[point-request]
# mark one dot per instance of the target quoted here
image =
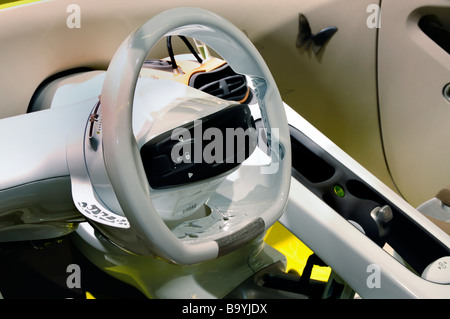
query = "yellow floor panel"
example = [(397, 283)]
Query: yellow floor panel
[(9, 4), (296, 252)]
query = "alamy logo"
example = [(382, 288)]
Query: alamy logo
[(74, 279), (374, 279), (374, 18), (213, 145), (73, 21)]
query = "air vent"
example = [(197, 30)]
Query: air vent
[(223, 83)]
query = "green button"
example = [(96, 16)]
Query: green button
[(339, 191)]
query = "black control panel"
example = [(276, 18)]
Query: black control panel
[(200, 149)]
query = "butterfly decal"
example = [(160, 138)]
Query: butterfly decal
[(318, 40)]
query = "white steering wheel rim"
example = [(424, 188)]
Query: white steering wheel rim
[(123, 163)]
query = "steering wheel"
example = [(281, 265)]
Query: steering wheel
[(135, 225)]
